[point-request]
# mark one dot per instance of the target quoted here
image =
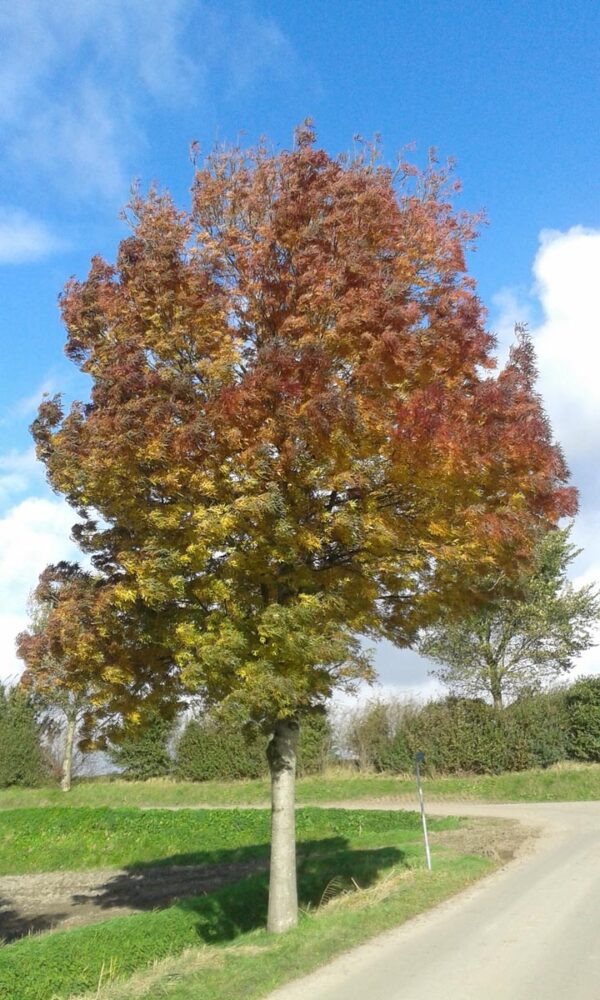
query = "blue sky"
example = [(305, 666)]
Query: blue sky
[(94, 93)]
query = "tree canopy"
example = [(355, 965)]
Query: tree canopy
[(518, 643), (295, 436), (87, 659)]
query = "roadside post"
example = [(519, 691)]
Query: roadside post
[(420, 759)]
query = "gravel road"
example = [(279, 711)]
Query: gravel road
[(529, 932)]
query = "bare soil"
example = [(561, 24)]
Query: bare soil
[(32, 903)]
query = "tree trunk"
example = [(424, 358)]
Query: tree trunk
[(283, 891), (67, 765), (496, 689)]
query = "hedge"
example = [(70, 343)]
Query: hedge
[(221, 747), (462, 735), (583, 713)]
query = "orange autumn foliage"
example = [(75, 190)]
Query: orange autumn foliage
[(295, 434)]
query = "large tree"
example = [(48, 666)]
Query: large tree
[(294, 438), (520, 641)]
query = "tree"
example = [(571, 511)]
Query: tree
[(518, 643), (61, 694), (142, 751), (21, 757), (293, 437), (89, 663)]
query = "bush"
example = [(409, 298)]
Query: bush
[(459, 735), (22, 761), (213, 748), (220, 746), (143, 752), (582, 705), (536, 730), (373, 734), (314, 744), (369, 735)]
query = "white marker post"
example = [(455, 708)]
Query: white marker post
[(420, 759)]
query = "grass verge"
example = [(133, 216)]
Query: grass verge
[(258, 963), (237, 958), (565, 782), (34, 840)]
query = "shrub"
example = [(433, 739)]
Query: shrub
[(221, 746), (582, 705), (459, 734), (536, 730), (143, 752), (369, 736), (22, 761), (314, 745), (213, 748), (374, 735)]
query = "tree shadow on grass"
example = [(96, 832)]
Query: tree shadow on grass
[(227, 899), (240, 908)]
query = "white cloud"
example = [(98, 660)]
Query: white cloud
[(566, 296), (78, 80), (66, 80), (23, 238), (33, 533), (567, 283), (19, 471), (28, 405)]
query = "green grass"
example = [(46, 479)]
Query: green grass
[(576, 782), (35, 840), (240, 975), (362, 846)]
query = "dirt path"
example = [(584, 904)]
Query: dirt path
[(530, 932), (31, 903)]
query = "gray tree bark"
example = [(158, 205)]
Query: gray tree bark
[(283, 890), (67, 764), (496, 689)]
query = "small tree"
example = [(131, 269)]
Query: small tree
[(21, 756), (90, 664), (60, 689), (142, 751), (518, 643), (291, 439)]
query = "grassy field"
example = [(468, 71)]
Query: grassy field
[(573, 782), (370, 863)]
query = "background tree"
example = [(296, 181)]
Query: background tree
[(520, 642), (142, 750), (292, 439), (89, 663), (22, 760), (60, 687)]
